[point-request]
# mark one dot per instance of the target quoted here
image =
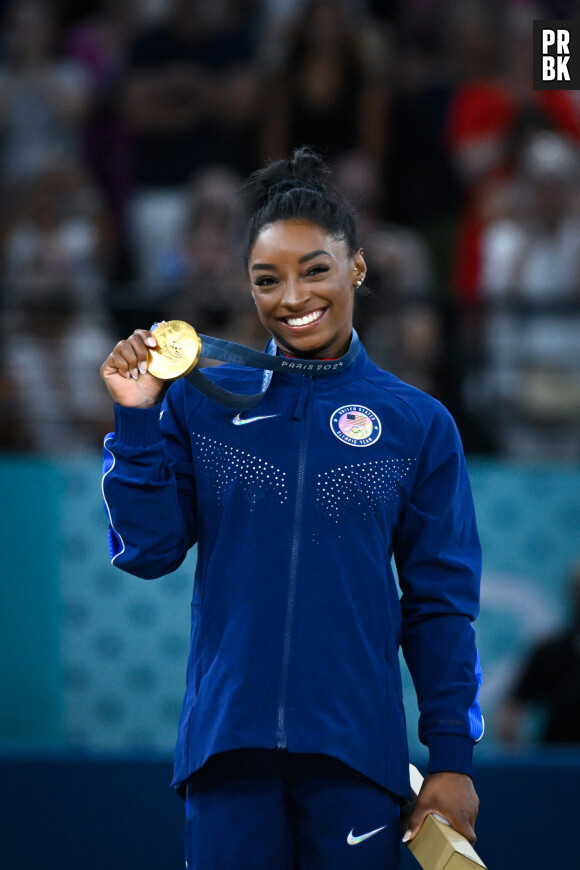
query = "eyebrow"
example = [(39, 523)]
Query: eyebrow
[(311, 256), (303, 259)]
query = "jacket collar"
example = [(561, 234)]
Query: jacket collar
[(327, 372)]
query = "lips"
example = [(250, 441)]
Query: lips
[(304, 320)]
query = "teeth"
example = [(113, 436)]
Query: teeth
[(302, 321)]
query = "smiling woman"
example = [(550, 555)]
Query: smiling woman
[(304, 258), (292, 735)]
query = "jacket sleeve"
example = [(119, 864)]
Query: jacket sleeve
[(438, 558), (149, 489)]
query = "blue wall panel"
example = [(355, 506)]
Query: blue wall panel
[(30, 546)]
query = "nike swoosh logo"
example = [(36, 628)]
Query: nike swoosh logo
[(239, 421), (354, 841)]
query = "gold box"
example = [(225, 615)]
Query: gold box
[(438, 846)]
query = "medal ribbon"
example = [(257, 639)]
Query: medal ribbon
[(231, 352)]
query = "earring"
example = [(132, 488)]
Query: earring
[(359, 282)]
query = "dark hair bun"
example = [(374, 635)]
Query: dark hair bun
[(300, 189), (305, 169)]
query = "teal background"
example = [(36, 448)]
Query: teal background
[(31, 684), (94, 658)]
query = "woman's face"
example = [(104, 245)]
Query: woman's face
[(303, 286)]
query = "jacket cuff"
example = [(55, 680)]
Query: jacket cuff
[(450, 752), (137, 427)]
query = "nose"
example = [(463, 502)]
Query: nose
[(295, 294)]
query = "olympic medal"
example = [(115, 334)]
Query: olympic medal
[(177, 352)]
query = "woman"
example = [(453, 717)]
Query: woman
[(292, 748), (321, 66)]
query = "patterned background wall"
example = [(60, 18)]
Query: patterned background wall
[(123, 641)]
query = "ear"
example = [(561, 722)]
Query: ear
[(359, 267)]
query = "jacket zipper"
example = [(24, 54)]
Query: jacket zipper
[(302, 403)]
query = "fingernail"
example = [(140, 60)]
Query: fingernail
[(143, 367), (407, 836), (128, 376), (151, 341), (135, 373)]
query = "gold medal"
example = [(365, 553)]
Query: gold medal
[(177, 352)]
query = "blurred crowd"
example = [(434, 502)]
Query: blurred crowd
[(128, 127)]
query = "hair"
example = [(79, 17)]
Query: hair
[(300, 189)]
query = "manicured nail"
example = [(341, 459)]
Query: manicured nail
[(151, 341), (135, 374), (143, 367), (407, 836)]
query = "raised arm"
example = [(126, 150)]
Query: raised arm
[(148, 481)]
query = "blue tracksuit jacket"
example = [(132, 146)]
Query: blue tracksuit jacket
[(297, 508)]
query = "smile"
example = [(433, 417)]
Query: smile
[(305, 320)]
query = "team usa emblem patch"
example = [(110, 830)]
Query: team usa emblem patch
[(356, 425)]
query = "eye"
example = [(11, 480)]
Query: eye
[(318, 269), (265, 281)]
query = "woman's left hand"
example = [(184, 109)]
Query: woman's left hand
[(450, 795)]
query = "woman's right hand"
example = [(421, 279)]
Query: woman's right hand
[(125, 372)]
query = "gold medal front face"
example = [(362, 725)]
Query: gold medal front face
[(177, 352)]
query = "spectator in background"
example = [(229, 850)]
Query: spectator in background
[(13, 436), (398, 321), (494, 110), (190, 97), (204, 276), (54, 254), (99, 44), (531, 259), (421, 183), (326, 83), (550, 680), (534, 253), (44, 99)]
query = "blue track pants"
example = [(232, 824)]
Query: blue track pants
[(277, 810)]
